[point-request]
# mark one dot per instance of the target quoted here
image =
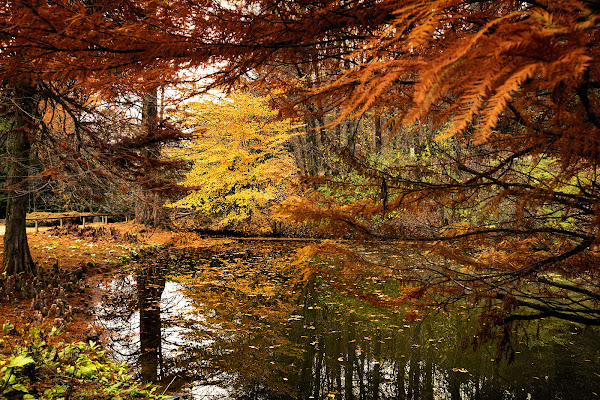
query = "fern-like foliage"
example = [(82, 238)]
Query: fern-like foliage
[(509, 95)]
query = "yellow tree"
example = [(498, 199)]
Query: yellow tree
[(241, 164)]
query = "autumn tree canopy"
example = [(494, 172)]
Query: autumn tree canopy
[(502, 97), (241, 164), (73, 53), (510, 94)]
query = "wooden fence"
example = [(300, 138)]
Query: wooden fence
[(38, 217)]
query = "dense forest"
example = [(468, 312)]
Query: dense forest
[(466, 133)]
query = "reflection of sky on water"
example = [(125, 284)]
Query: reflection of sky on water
[(123, 331), (216, 392), (179, 319)]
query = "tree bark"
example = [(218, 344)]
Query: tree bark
[(313, 147), (351, 134), (377, 148), (17, 257), (149, 209)]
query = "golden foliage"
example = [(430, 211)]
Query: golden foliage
[(241, 164)]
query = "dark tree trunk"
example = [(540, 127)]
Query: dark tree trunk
[(17, 257), (376, 372), (377, 148), (150, 284), (149, 209), (313, 147), (351, 133), (350, 360)]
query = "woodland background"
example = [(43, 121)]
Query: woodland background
[(468, 129)]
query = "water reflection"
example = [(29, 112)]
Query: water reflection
[(228, 324), (150, 286)]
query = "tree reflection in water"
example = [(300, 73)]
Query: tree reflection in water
[(150, 286), (245, 332)]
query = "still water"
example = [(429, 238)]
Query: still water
[(233, 321)]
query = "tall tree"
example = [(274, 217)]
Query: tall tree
[(16, 249), (148, 208)]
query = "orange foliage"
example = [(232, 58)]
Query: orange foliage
[(511, 93)]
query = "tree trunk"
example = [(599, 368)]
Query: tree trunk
[(351, 133), (149, 209), (377, 148), (17, 257), (313, 147)]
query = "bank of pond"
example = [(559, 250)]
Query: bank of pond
[(238, 322)]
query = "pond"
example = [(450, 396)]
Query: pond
[(235, 321)]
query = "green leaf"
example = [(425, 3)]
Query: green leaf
[(88, 369), (19, 387), (59, 389), (7, 327), (20, 361)]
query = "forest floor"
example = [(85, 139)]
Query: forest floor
[(98, 251)]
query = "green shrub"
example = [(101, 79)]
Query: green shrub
[(33, 368)]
